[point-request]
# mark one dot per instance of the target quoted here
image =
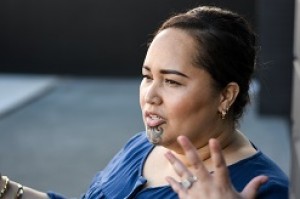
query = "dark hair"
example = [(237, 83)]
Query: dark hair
[(226, 48)]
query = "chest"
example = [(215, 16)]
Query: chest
[(156, 168)]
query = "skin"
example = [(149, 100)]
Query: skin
[(29, 193)]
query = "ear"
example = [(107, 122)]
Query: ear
[(228, 96)]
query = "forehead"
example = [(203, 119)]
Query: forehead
[(174, 34), (172, 45), (173, 38)]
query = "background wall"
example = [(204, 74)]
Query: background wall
[(109, 38), (86, 37), (275, 22)]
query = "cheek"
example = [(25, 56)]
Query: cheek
[(184, 109), (188, 107), (141, 102), (141, 95), (178, 107)]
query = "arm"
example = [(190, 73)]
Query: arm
[(12, 189)]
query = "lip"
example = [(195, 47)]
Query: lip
[(153, 122)]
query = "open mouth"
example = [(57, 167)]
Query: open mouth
[(153, 120)]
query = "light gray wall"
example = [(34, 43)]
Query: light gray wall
[(295, 175)]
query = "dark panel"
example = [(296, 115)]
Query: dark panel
[(275, 28), (85, 37)]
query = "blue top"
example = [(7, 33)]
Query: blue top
[(122, 177)]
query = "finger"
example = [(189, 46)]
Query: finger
[(221, 170), (178, 166), (193, 157), (176, 186), (252, 187)]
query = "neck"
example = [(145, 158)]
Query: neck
[(226, 140)]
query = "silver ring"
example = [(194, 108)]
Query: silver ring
[(188, 182)]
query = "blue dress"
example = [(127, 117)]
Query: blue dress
[(122, 177)]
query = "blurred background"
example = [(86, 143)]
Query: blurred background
[(69, 81)]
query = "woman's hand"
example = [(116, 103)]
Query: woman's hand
[(203, 184)]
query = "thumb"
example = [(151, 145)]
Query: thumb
[(252, 187)]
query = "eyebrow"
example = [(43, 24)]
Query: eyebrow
[(168, 71)]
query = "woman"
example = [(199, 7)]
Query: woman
[(196, 77)]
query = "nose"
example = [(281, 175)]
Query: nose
[(152, 95)]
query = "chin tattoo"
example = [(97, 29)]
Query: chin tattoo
[(154, 134)]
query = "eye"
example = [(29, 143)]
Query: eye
[(172, 82), (146, 77)]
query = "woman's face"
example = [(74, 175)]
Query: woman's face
[(176, 97)]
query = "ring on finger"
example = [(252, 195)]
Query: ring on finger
[(188, 182)]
